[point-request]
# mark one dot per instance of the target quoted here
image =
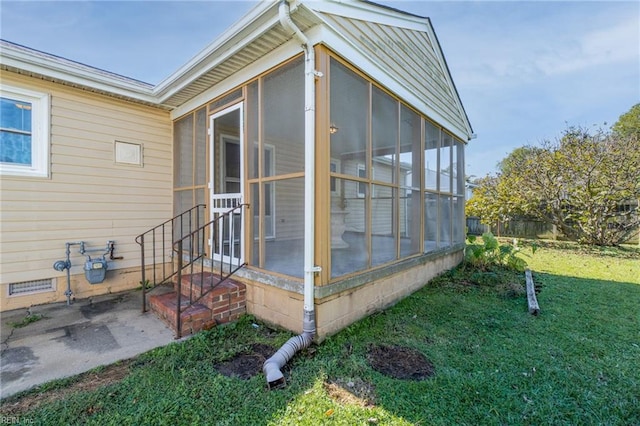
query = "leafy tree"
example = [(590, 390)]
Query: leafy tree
[(587, 185), (629, 123), (488, 202), (491, 200), (516, 157)]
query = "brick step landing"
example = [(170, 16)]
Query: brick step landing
[(225, 303), (199, 283)]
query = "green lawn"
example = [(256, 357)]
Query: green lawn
[(576, 363)]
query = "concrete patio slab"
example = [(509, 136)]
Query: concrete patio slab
[(70, 340)]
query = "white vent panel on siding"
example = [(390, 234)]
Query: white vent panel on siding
[(30, 287)]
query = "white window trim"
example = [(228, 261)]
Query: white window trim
[(224, 139), (360, 167), (272, 167), (363, 167), (40, 134), (336, 163)]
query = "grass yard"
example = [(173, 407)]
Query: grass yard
[(493, 363)]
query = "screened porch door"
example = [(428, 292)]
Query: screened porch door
[(226, 185)]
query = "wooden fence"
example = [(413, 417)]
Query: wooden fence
[(523, 228)]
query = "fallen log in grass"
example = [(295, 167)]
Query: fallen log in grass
[(534, 309)]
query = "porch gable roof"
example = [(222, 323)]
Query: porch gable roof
[(398, 49)]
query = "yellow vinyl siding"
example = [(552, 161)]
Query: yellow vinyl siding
[(88, 197)]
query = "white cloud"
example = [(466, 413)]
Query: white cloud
[(619, 43), (509, 47)]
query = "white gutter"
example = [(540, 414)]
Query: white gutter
[(15, 56), (272, 366)]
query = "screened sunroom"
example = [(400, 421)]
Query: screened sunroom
[(338, 126), (388, 191)]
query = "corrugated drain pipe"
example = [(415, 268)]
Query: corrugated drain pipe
[(272, 366)]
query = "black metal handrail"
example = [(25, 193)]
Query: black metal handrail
[(162, 245), (223, 234)]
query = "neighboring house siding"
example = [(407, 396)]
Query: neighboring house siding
[(88, 197), (409, 57), (289, 209), (355, 202), (288, 154), (289, 193)]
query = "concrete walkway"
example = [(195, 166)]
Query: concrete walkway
[(69, 340)]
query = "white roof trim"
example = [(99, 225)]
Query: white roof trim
[(214, 54), (367, 11), (438, 50), (40, 63)]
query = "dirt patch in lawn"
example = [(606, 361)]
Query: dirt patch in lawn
[(247, 364), (400, 362), (351, 391), (85, 382)]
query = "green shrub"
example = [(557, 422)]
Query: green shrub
[(491, 253)]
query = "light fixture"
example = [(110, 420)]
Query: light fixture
[(333, 129)]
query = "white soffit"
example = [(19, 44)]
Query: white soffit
[(254, 37)]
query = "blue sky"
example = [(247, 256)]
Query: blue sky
[(524, 70)]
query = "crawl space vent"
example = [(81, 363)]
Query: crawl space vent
[(28, 287)]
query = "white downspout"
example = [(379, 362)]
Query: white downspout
[(272, 366)]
